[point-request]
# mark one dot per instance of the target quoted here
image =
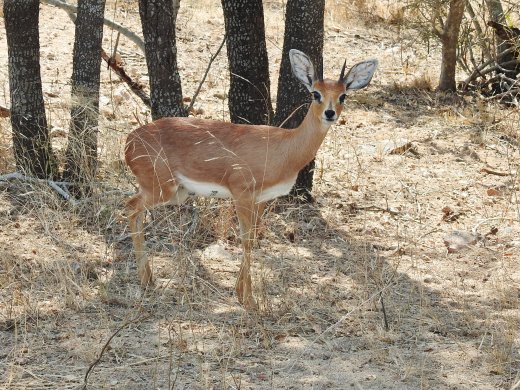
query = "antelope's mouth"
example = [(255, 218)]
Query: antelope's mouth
[(329, 120)]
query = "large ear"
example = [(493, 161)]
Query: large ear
[(302, 68), (359, 75)]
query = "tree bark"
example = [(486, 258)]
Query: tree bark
[(249, 90), (450, 38), (304, 30), (503, 43), (81, 154), (31, 141), (158, 18)]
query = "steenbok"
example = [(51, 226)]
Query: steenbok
[(174, 158)]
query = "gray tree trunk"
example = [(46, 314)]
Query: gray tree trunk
[(31, 142), (496, 12), (81, 154), (249, 90), (158, 18), (450, 39), (304, 29)]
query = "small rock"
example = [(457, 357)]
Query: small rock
[(493, 192), (459, 240), (217, 251)]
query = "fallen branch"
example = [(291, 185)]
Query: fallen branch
[(494, 172), (498, 68), (354, 206), (72, 9), (136, 87), (55, 185), (478, 71), (505, 32), (5, 112), (510, 93)]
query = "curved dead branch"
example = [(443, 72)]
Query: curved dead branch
[(72, 9)]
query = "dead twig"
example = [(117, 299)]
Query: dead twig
[(354, 206), (213, 57), (139, 318), (384, 310), (332, 327), (55, 185), (494, 172)]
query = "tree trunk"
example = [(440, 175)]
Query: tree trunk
[(249, 90), (81, 155), (497, 16), (303, 31), (31, 142), (158, 18), (450, 38)]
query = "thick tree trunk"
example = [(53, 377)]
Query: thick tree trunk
[(158, 18), (450, 38), (32, 146), (304, 31), (249, 90), (81, 155)]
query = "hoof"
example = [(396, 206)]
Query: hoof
[(245, 297), (248, 302), (146, 278)]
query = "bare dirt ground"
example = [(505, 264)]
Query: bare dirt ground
[(69, 291)]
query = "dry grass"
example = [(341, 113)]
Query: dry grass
[(321, 272)]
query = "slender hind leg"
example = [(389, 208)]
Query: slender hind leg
[(260, 207), (135, 206)]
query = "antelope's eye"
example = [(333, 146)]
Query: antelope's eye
[(316, 95), (342, 98)]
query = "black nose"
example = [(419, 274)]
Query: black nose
[(330, 114)]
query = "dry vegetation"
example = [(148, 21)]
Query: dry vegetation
[(69, 293)]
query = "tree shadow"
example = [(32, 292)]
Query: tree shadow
[(321, 312), (353, 276)]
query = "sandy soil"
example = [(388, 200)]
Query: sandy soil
[(399, 181)]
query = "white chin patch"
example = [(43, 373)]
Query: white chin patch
[(328, 122)]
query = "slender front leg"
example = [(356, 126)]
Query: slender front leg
[(260, 207), (247, 212), (135, 221)]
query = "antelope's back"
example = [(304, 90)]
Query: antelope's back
[(205, 150)]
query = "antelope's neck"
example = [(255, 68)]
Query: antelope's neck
[(307, 138)]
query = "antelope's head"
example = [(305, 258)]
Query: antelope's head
[(329, 95)]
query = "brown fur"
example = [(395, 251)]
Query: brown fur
[(242, 158)]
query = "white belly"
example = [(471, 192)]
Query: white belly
[(205, 189), (213, 190), (275, 191)]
